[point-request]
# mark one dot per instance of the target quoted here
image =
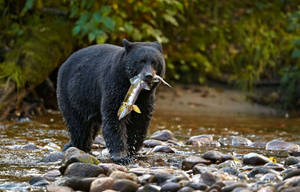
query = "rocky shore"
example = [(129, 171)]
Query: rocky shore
[(163, 164)]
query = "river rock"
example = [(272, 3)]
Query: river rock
[(102, 184), (260, 170), (53, 157), (163, 148), (255, 159), (150, 188), (38, 181), (186, 189), (170, 187), (73, 155), (288, 184), (100, 140), (83, 170), (163, 135), (110, 167), (291, 160), (207, 178), (54, 188), (29, 147), (240, 141), (200, 168), (52, 175), (200, 140), (122, 175), (78, 183), (197, 186), (275, 166), (292, 173), (216, 156), (189, 162), (231, 187), (125, 185), (241, 189), (277, 145), (152, 143), (230, 170), (139, 171), (266, 189), (271, 178)]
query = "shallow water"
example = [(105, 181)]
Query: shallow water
[(47, 133)]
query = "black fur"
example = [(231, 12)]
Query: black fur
[(91, 86)]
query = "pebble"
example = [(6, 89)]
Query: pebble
[(163, 148), (216, 156), (197, 186), (53, 157), (255, 159), (52, 175), (189, 162), (122, 175), (163, 135), (125, 185), (260, 170), (282, 145), (38, 181), (54, 188), (292, 173), (152, 143), (110, 167), (186, 189), (231, 187), (240, 141), (291, 160), (271, 178), (150, 188), (102, 184), (274, 166), (78, 183), (170, 187), (290, 184), (200, 140), (200, 168), (83, 170), (146, 178)]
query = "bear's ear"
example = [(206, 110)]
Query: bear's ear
[(157, 45), (127, 44)]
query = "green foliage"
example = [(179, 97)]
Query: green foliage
[(240, 42)]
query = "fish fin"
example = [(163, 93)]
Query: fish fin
[(136, 109), (162, 80)]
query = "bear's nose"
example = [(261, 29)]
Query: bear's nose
[(148, 77)]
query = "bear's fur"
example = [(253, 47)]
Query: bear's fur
[(91, 87)]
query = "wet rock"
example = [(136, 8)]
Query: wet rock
[(52, 175), (163, 135), (216, 156), (54, 188), (200, 140), (271, 178), (122, 175), (11, 186), (230, 163), (102, 184), (52, 147), (170, 187), (100, 140), (231, 187), (147, 178), (291, 160), (240, 141), (139, 171), (53, 157), (78, 183), (266, 189), (110, 167), (255, 159), (125, 185), (241, 189), (29, 147), (38, 181), (277, 145), (230, 170), (207, 178), (200, 168), (292, 173), (260, 170), (258, 144), (73, 155), (150, 188), (163, 148), (275, 166), (83, 170), (289, 184), (152, 143), (197, 186), (186, 189), (189, 162)]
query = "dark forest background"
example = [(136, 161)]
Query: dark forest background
[(247, 44)]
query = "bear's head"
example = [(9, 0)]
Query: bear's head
[(145, 58)]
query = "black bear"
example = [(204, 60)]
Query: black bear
[(91, 87)]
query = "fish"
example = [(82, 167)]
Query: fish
[(137, 84)]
